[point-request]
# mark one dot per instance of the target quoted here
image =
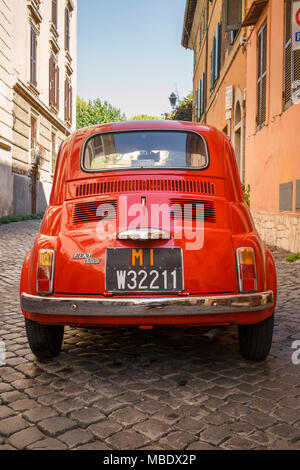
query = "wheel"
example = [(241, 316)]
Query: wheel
[(256, 340), (45, 341)]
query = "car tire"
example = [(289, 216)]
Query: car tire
[(256, 340), (45, 341)]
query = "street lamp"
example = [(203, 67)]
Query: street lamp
[(173, 100)]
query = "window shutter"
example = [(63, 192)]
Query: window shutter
[(57, 88), (201, 96), (66, 99), (217, 52), (67, 29), (196, 105), (33, 50), (54, 12), (233, 15), (50, 81), (199, 100), (71, 104), (31, 56), (35, 59), (264, 75), (202, 92), (212, 68), (261, 75)]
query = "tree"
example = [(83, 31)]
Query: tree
[(95, 112), (144, 117), (184, 111)]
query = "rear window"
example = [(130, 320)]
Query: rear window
[(145, 149)]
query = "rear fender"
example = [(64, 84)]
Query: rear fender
[(25, 272)]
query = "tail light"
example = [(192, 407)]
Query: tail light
[(45, 272), (246, 269)]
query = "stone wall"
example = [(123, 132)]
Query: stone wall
[(281, 230)]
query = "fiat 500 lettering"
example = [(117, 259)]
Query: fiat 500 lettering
[(147, 226)]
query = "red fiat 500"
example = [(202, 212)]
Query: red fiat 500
[(147, 226)]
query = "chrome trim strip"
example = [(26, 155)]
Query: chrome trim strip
[(155, 306)]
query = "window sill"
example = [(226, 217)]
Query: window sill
[(261, 126), (32, 87), (53, 30), (68, 56), (68, 123), (53, 108)]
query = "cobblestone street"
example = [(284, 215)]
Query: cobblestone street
[(170, 388)]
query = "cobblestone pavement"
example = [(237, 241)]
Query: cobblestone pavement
[(130, 389)]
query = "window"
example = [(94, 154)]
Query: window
[(202, 27), (53, 83), (33, 55), (200, 107), (33, 132), (286, 196), (202, 94), (233, 35), (67, 29), (261, 76), (145, 149), (215, 57), (291, 60), (54, 12), (68, 101), (53, 151)]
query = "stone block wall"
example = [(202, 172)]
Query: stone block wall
[(279, 229)]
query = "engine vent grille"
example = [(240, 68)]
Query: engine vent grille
[(124, 186), (187, 208), (94, 210)]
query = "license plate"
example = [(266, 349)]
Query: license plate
[(144, 270)]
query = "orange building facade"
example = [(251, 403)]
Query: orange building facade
[(219, 78), (272, 157), (245, 83)]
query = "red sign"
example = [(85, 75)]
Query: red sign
[(298, 17)]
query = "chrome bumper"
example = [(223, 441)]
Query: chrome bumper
[(155, 306)]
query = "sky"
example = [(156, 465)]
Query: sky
[(130, 54)]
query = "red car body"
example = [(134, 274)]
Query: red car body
[(211, 290)]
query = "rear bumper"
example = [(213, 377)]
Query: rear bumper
[(143, 307)]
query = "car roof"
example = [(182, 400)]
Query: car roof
[(144, 124), (69, 168)]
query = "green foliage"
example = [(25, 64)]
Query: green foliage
[(95, 112), (19, 218), (184, 110), (246, 192), (294, 257), (144, 117)]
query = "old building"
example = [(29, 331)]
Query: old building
[(272, 124), (37, 97), (246, 82), (212, 29)]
